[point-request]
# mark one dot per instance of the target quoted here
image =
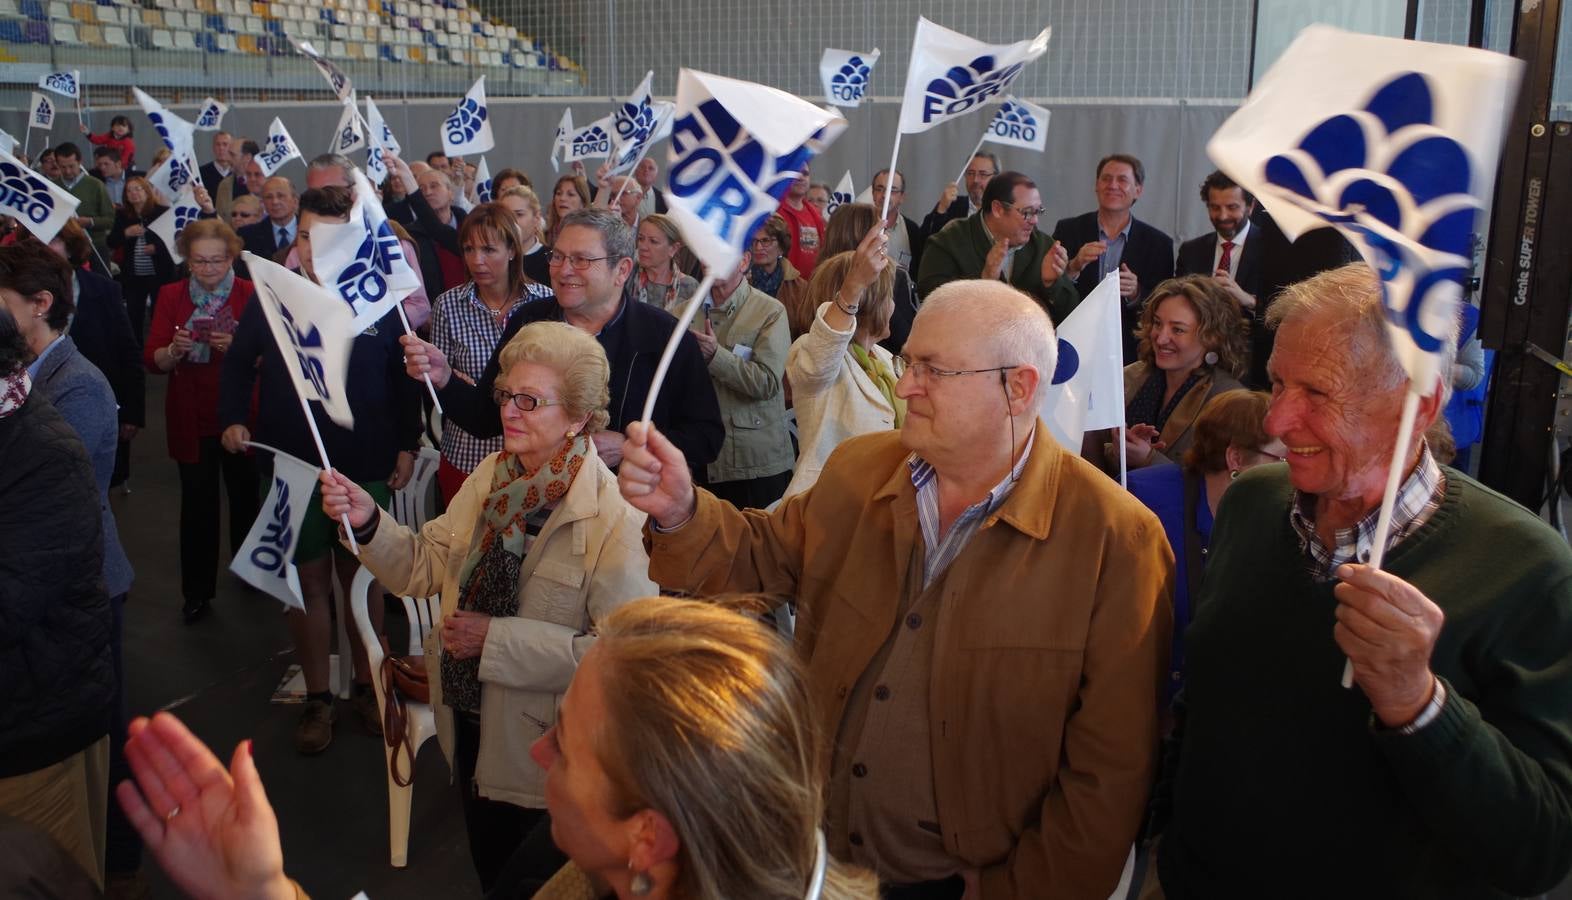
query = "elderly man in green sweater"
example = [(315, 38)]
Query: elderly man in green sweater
[(1000, 242), (95, 212), (1447, 770)]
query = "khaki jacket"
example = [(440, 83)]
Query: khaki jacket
[(587, 561), (1053, 637), (1177, 433), (752, 403)]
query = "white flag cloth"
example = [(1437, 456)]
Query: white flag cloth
[(348, 136), (467, 129), (7, 142), (314, 329), (483, 181), (1086, 391), (336, 79), (735, 148), (43, 112), (211, 116), (180, 169), (279, 149), (380, 132), (376, 164), (845, 74), (593, 141), (180, 213), (951, 74), (1017, 123), (361, 261), (638, 123), (266, 561), (66, 84), (560, 141), (38, 203), (844, 193), (1392, 142)]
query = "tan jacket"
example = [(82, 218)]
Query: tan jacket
[(748, 385), (1053, 636), (1177, 434), (587, 561)]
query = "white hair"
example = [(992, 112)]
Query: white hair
[(1019, 332)]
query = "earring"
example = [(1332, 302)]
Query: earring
[(1233, 473), (641, 884), (1210, 357), (572, 434)]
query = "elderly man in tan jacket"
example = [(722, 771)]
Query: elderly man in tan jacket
[(985, 617)]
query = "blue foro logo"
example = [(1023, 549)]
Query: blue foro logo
[(277, 537), (278, 150), (179, 174), (162, 129), (726, 177), (209, 118), (1069, 363), (348, 137), (462, 126), (591, 142), (964, 87), (1014, 122), (62, 82), (25, 195), (364, 280), (634, 122), (308, 353), (185, 215), (45, 112), (1415, 212), (850, 81)]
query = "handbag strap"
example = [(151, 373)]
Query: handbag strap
[(394, 726)]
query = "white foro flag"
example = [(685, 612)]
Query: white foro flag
[(846, 74), (336, 79), (1086, 391), (42, 206), (593, 141), (843, 194), (348, 136), (279, 149), (467, 129), (483, 181), (180, 169), (211, 116), (1395, 144), (7, 142), (266, 561), (182, 212), (1017, 123), (43, 112), (314, 329), (637, 124), (560, 141), (362, 262), (952, 74), (381, 134), (66, 84)]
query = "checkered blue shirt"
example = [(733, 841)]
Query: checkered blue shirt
[(1417, 500), (467, 333), (943, 551)]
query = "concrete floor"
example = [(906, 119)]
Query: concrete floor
[(218, 674)]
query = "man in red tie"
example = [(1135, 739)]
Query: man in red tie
[(1232, 251)]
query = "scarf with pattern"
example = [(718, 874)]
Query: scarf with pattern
[(883, 377), (13, 391)]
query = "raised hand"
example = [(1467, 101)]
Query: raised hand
[(340, 496), (422, 358), (947, 198), (1387, 628), (1054, 263), (654, 476)]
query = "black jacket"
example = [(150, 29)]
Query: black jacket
[(686, 411), (428, 233), (210, 176), (1196, 255), (1148, 252), (163, 263), (934, 221), (57, 683), (102, 332), (261, 238), (917, 238)]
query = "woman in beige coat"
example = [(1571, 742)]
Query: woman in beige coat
[(843, 382), (536, 548)]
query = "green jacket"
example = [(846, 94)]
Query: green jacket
[(752, 403), (95, 202), (960, 249)]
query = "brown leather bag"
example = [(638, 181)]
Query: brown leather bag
[(403, 681)]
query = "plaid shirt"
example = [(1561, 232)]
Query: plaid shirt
[(1417, 499), (467, 333), (943, 551)]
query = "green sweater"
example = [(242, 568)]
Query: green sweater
[(961, 247), (95, 202), (1283, 789)]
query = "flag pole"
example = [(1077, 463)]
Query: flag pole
[(976, 150), (26, 141), (305, 407), (884, 214), (1394, 478), (1124, 464), (426, 375), (675, 339)]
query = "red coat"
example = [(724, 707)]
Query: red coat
[(191, 403), (125, 145)]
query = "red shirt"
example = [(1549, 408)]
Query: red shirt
[(453, 271), (191, 403), (125, 145), (807, 236)]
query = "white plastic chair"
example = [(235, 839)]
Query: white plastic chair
[(411, 505), (421, 721)]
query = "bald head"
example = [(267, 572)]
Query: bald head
[(1005, 325), (279, 200)]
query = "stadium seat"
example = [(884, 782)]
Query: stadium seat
[(227, 43), (11, 32), (91, 34), (59, 9), (185, 40), (10, 8), (115, 36), (83, 12), (65, 33), (417, 54), (163, 39)]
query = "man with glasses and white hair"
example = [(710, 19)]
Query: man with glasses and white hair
[(590, 262), (984, 617), (1000, 242)]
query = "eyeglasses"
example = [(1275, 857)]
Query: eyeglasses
[(979, 173), (524, 402), (763, 242), (879, 189), (198, 263), (579, 263), (1027, 212), (923, 371)]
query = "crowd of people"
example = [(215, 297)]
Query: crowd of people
[(1012, 677)]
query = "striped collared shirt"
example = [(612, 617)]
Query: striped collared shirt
[(941, 551), (467, 333), (1417, 499)]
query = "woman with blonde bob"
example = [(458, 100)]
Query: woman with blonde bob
[(842, 381), (684, 766), (534, 551), (659, 281)]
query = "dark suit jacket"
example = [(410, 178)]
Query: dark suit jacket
[(1148, 252), (1196, 255), (102, 333), (1285, 262), (961, 249), (210, 176), (917, 238), (261, 238), (934, 221)]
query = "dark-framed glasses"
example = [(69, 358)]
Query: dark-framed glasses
[(525, 402)]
